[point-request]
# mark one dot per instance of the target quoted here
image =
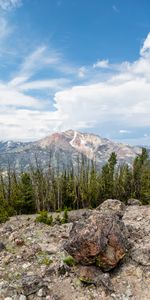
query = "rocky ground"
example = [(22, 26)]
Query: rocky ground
[(32, 262)]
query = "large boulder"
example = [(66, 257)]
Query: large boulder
[(100, 239), (112, 206), (137, 221)]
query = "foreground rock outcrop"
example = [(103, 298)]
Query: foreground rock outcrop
[(100, 239), (34, 268)]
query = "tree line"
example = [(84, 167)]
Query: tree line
[(83, 186)]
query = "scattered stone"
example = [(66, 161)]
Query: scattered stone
[(26, 265), (22, 277), (49, 249), (22, 297), (19, 242), (31, 284), (2, 246), (41, 293), (93, 275), (8, 228), (133, 201), (63, 269)]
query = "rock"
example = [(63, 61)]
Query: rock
[(26, 265), (142, 254), (2, 246), (41, 293), (8, 228), (48, 248), (93, 275), (133, 201), (8, 258), (51, 270), (31, 284), (78, 215), (22, 297), (137, 220), (21, 270), (87, 275), (100, 240), (19, 242), (63, 269), (112, 205)]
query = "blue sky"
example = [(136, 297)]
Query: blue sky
[(79, 64)]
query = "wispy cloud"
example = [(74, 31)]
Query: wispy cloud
[(124, 131), (10, 4), (4, 28), (37, 60), (45, 92), (115, 9), (101, 64), (82, 72)]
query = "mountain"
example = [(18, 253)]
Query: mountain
[(63, 149)]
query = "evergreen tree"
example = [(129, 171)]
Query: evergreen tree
[(27, 199)]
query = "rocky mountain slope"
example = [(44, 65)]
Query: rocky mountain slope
[(32, 265), (64, 149)]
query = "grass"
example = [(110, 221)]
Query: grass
[(69, 261)]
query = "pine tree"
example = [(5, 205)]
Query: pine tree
[(27, 203)]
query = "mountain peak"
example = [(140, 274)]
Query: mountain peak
[(68, 146)]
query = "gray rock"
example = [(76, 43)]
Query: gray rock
[(22, 297), (133, 201), (31, 284), (2, 246), (113, 206), (63, 269), (137, 220), (93, 275), (8, 228)]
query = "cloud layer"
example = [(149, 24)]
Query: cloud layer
[(46, 93), (9, 4)]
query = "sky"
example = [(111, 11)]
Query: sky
[(75, 64)]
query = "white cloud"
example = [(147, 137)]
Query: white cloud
[(101, 64), (121, 100), (54, 84), (124, 131), (10, 97), (145, 50), (9, 4), (82, 72), (4, 28)]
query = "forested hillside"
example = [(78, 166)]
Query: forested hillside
[(51, 190), (64, 149)]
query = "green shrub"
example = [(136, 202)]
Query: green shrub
[(3, 216), (49, 220), (44, 218), (58, 220), (43, 258), (69, 261), (65, 217), (58, 210)]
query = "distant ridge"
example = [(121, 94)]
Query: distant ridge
[(64, 148)]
